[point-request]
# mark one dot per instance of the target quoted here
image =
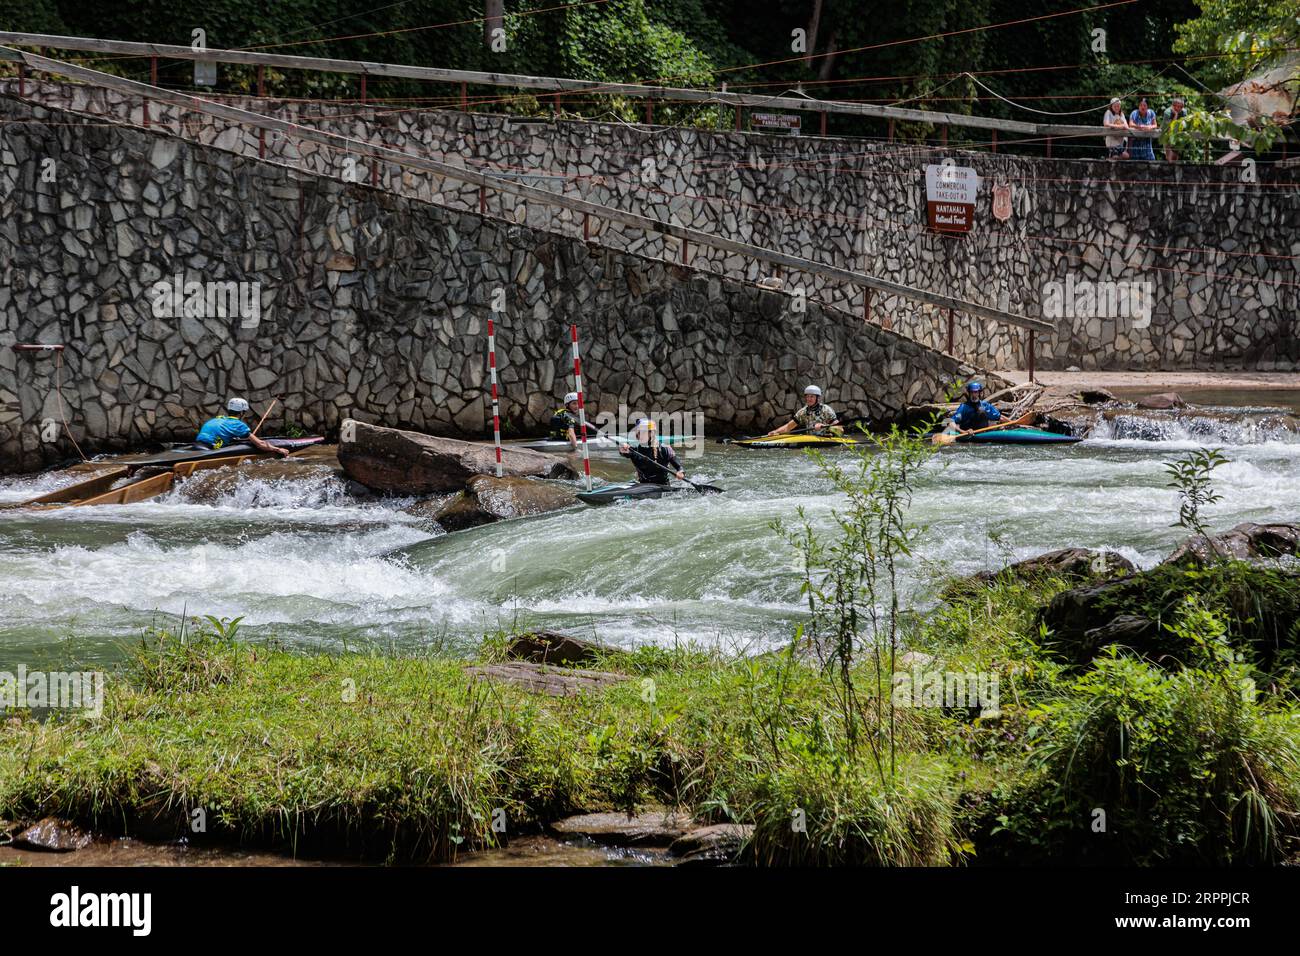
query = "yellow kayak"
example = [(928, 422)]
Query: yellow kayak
[(796, 441)]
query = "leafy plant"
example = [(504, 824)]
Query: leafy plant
[(1192, 477)]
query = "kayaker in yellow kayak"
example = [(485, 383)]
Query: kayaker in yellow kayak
[(974, 412), (814, 416)]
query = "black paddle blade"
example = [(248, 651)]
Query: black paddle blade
[(708, 489)]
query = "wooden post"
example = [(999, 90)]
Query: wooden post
[(685, 248), (740, 110), (482, 200), (1032, 333), (950, 333), (649, 111), (557, 104), (22, 79), (153, 81), (464, 97), (1049, 147), (261, 94), (363, 87), (944, 136), (823, 122), (995, 141), (866, 306), (586, 227), (891, 131)]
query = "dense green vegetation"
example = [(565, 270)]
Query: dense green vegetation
[(1060, 57)]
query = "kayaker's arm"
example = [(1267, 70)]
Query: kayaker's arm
[(262, 445), (788, 426)]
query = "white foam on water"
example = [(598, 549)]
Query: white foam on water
[(300, 558)]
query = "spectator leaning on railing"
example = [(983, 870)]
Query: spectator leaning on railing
[(1144, 117), (1116, 146), (1175, 111)]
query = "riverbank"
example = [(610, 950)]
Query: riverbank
[(403, 758)]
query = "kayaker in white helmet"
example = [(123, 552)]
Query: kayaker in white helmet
[(648, 453), (814, 416), (230, 429), (564, 423)]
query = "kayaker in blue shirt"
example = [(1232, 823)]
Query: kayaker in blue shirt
[(230, 430), (974, 412)]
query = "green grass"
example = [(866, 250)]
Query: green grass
[(379, 756)]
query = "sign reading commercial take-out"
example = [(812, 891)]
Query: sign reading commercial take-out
[(950, 192)]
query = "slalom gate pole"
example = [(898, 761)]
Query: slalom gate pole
[(582, 408), (496, 401)]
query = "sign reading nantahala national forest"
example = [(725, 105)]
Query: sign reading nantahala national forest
[(950, 196)]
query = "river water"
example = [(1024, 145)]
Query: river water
[(305, 564)]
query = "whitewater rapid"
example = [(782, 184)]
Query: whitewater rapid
[(303, 563)]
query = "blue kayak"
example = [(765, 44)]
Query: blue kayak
[(1018, 436)]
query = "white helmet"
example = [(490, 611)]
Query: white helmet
[(237, 405), (813, 390), (571, 397)]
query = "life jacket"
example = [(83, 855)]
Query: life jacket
[(561, 422)]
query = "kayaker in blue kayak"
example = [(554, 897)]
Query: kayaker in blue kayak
[(647, 452), (974, 412), (814, 416), (230, 430)]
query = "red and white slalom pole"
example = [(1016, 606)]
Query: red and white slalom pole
[(582, 408), (496, 402)]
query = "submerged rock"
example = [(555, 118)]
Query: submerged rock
[(657, 828), (1161, 400), (216, 483), (487, 498), (409, 463), (711, 845)]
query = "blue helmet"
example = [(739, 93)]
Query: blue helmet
[(974, 390)]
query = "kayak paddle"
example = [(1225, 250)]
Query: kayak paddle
[(943, 438), (702, 489)]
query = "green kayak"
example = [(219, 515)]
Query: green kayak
[(629, 491)]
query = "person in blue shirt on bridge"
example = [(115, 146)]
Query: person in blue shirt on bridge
[(230, 430), (975, 412)]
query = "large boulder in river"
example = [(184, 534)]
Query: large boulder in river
[(409, 463), (487, 498), (1080, 564), (1246, 542)]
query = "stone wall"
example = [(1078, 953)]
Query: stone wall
[(1220, 254), (371, 305)]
